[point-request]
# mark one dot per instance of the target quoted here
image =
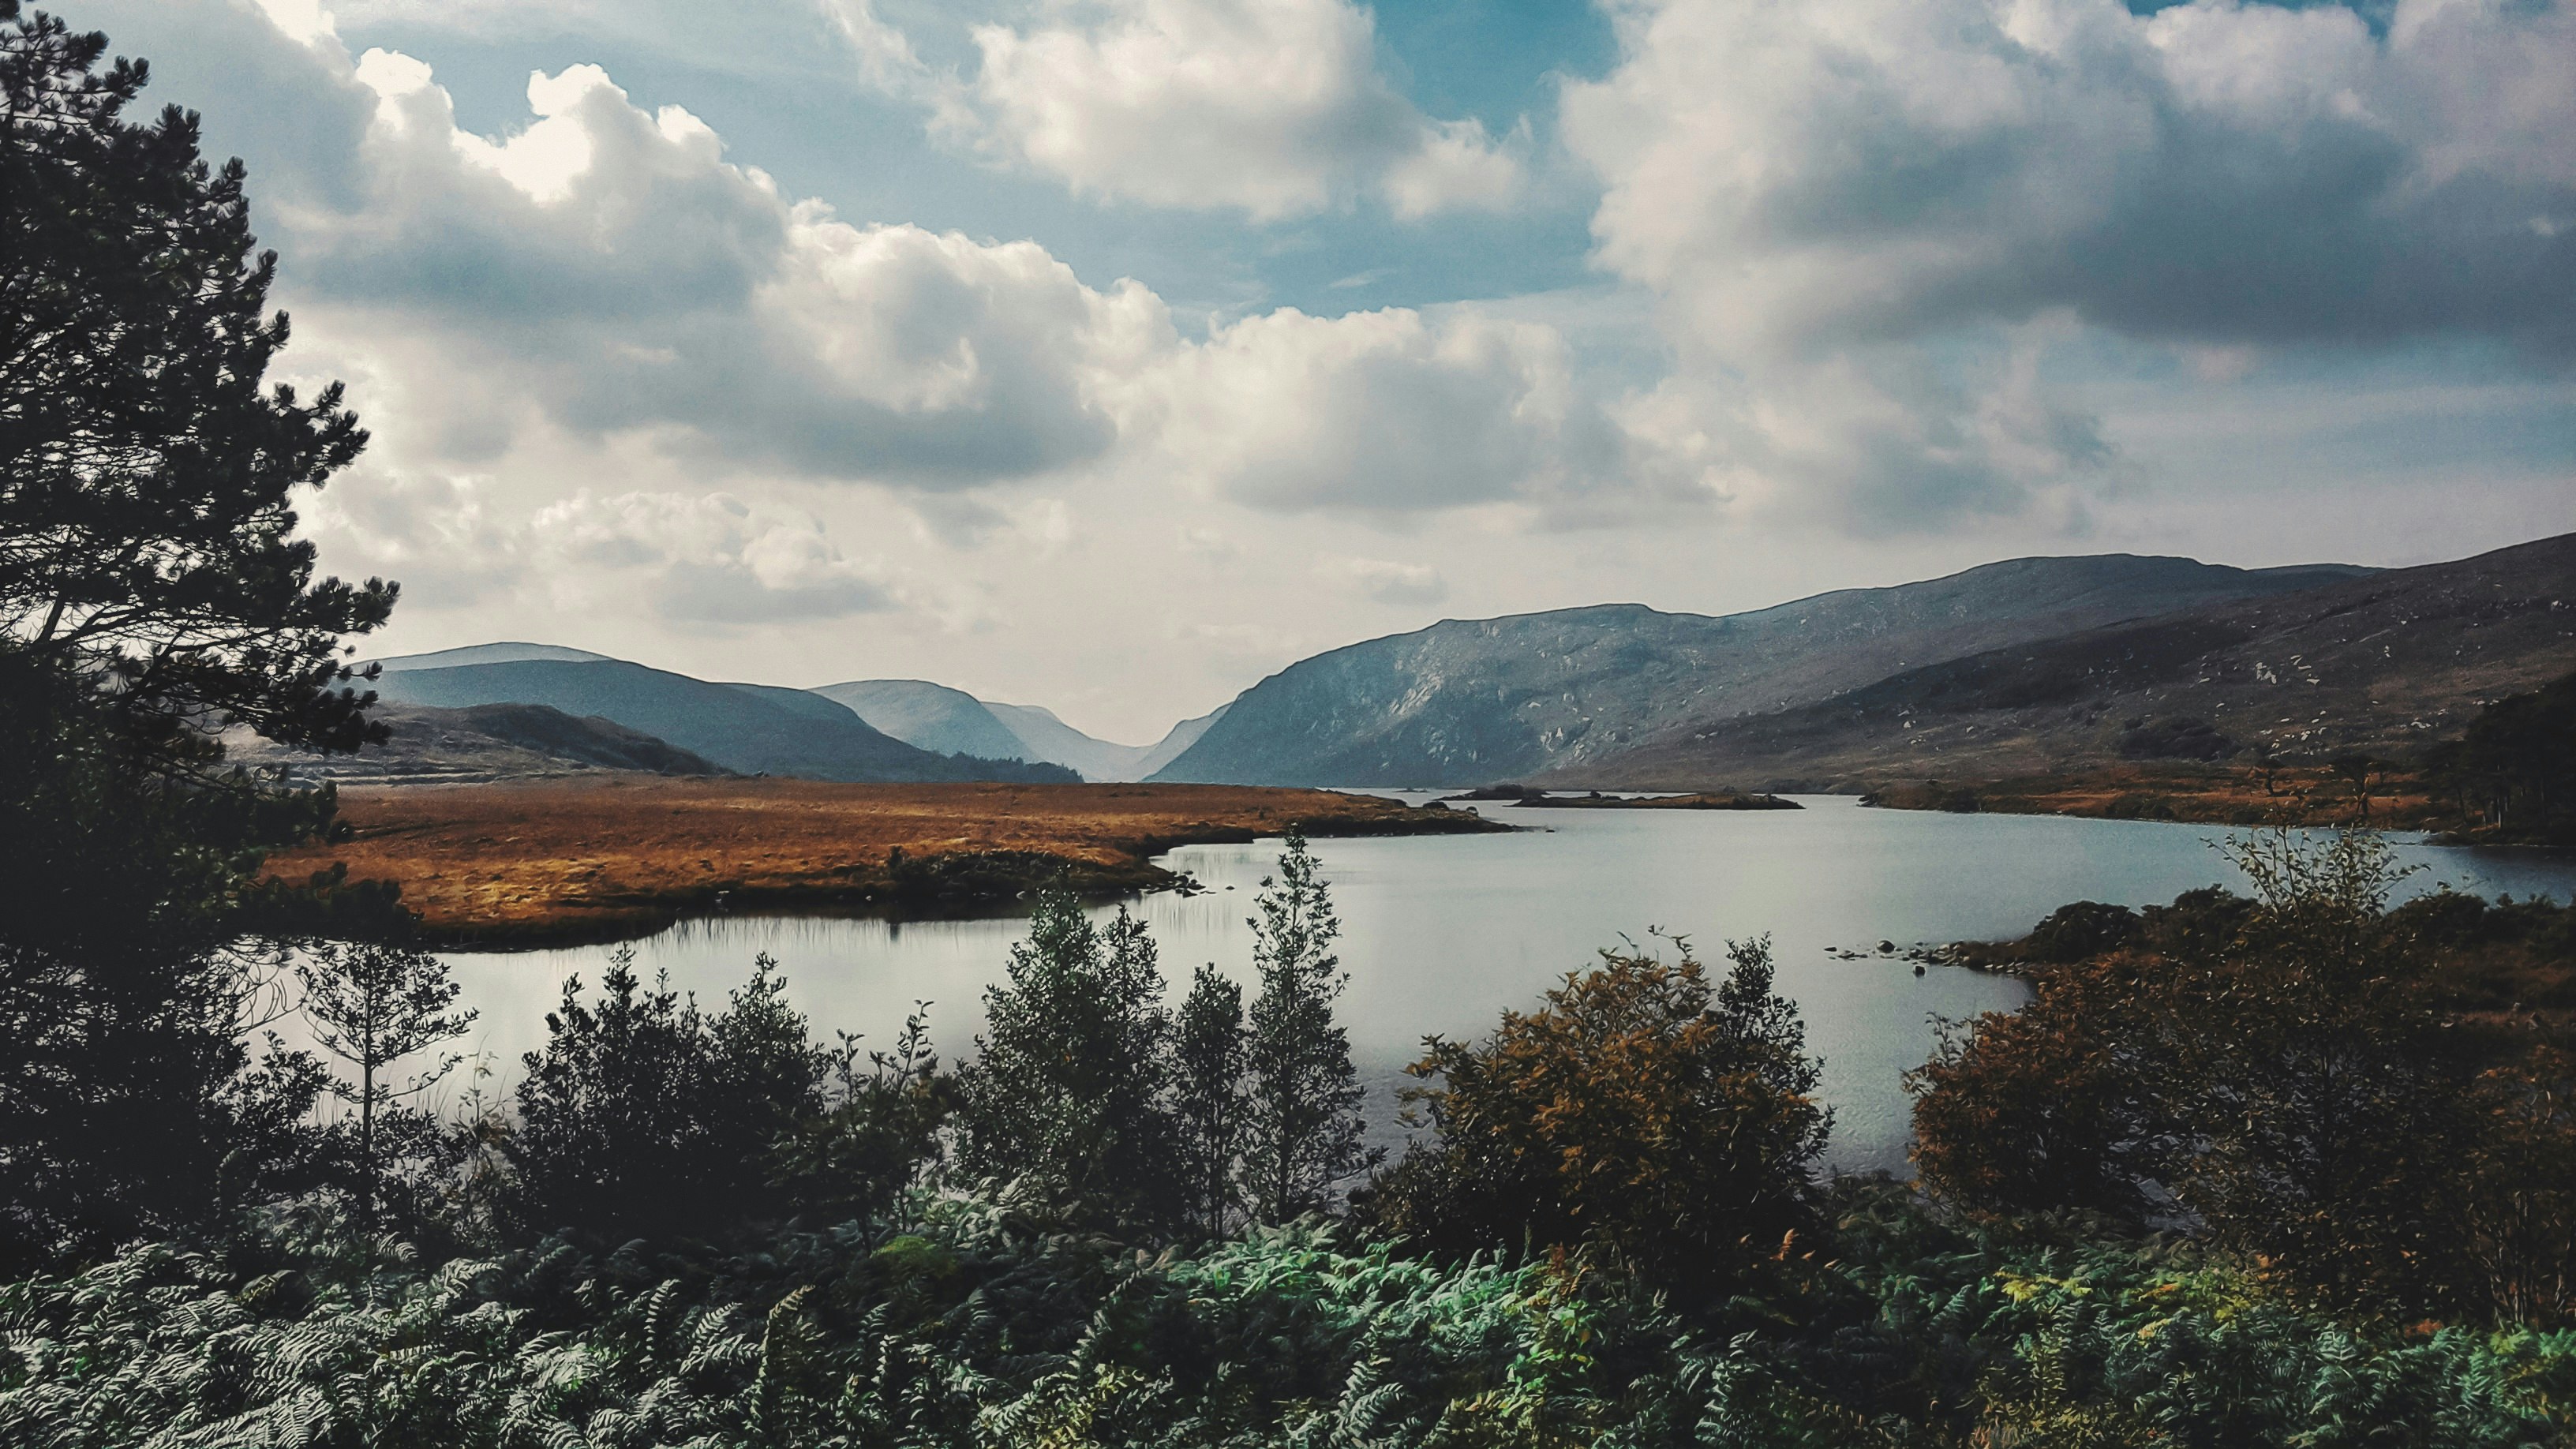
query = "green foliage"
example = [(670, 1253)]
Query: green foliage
[(152, 592), (145, 477), (886, 1128), (2512, 772), (1208, 1100), (1644, 1111), (980, 1328), (2287, 1075), (645, 1116), (1067, 1091), (1303, 1132), (128, 1106), (371, 1006)]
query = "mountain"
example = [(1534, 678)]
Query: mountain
[(753, 729), (504, 653), (936, 717), (933, 717), (2381, 665), (484, 742), (1176, 740), (1470, 702)]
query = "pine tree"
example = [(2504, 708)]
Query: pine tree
[(145, 476), (371, 1006), (152, 591), (1303, 1133), (1068, 1090), (1208, 1099)]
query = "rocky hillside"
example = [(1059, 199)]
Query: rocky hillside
[(483, 743), (2382, 665), (751, 729), (1466, 702)]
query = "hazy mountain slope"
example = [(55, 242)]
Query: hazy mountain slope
[(754, 729), (1476, 701), (485, 742), (2381, 664), (1049, 738), (1179, 738), (930, 716), (511, 652)]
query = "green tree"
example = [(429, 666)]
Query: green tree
[(1644, 1110), (1303, 1134), (371, 1006), (884, 1127), (645, 1116), (2512, 772), (1208, 1103), (2279, 1070), (146, 472), (151, 593), (1067, 1092)]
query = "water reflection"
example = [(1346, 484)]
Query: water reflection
[(1443, 933)]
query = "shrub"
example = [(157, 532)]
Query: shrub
[(1644, 1110), (646, 1117)]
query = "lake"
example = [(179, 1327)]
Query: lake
[(1442, 933)]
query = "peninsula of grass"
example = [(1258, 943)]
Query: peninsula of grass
[(558, 862), (1700, 800)]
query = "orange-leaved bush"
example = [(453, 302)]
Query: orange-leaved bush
[(1647, 1112)]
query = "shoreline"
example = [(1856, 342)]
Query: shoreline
[(550, 863)]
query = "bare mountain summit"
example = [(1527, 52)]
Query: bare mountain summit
[(1466, 702)]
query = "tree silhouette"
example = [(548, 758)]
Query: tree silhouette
[(1208, 1052), (1303, 1133), (372, 1006)]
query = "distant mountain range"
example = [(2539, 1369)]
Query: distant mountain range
[(746, 728), (2027, 665), (1473, 702), (936, 717)]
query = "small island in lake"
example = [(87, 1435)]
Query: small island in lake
[(1697, 800)]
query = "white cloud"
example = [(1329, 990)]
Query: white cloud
[(709, 558), (434, 533), (1387, 412), (1388, 581), (605, 271), (609, 266), (1798, 175), (1867, 223), (1275, 107)]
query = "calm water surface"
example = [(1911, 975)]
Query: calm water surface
[(1440, 934)]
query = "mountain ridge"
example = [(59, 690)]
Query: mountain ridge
[(2377, 665), (1471, 701), (748, 728)]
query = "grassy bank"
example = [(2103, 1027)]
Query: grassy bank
[(2198, 794), (558, 862)]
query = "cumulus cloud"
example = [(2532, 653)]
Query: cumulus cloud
[(619, 272), (710, 558), (1795, 176), (1275, 107), (1867, 222), (605, 270), (1388, 581), (435, 534), (1391, 411)]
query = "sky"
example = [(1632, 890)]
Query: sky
[(1111, 356)]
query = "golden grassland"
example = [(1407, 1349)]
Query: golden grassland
[(566, 860), (2208, 795)]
